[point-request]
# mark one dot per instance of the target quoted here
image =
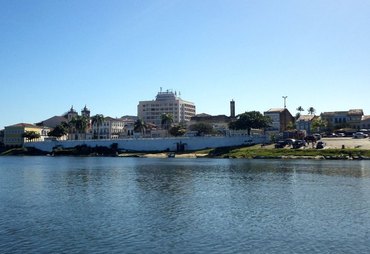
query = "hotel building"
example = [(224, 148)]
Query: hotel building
[(166, 103)]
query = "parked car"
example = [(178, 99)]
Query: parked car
[(320, 145), (360, 135), (298, 144), (341, 134), (332, 135), (289, 141), (317, 136), (280, 144)]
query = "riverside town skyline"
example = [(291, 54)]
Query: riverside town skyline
[(111, 55)]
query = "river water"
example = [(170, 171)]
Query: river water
[(136, 205)]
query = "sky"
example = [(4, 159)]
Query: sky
[(109, 55)]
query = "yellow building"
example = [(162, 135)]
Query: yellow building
[(13, 135)]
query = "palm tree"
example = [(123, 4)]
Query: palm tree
[(140, 126), (98, 120), (80, 123), (311, 110), (300, 109), (166, 121)]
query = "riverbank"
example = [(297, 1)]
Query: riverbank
[(337, 148)]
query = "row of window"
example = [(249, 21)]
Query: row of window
[(14, 131), (161, 105), (13, 140), (105, 124)]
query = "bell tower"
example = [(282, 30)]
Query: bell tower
[(232, 109), (85, 112), (71, 114)]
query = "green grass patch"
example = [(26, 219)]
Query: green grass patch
[(253, 152)]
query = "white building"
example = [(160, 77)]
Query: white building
[(110, 128), (166, 102)]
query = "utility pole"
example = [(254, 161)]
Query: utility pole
[(284, 97)]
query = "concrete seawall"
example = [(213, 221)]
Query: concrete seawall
[(154, 144)]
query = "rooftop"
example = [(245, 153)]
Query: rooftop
[(275, 110), (306, 118), (24, 125)]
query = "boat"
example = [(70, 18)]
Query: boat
[(171, 155)]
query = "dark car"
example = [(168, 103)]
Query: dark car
[(320, 145), (289, 141), (298, 144), (280, 144)]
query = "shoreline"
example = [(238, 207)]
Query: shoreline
[(336, 149)]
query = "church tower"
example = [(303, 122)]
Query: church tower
[(85, 112), (71, 114)]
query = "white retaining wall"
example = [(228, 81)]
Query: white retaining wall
[(155, 144)]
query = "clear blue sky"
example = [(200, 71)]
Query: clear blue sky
[(111, 54)]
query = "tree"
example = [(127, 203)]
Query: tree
[(311, 110), (58, 131), (166, 121), (98, 120), (291, 126), (299, 109), (297, 115), (30, 135), (249, 120), (177, 130), (80, 123), (318, 125), (201, 128), (140, 126)]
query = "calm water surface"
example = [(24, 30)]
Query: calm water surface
[(129, 205)]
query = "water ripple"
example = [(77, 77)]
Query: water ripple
[(115, 205)]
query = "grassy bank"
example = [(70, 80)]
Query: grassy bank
[(261, 152), (251, 152)]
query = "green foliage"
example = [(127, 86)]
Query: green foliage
[(300, 109), (177, 131), (249, 120), (80, 123), (311, 110), (318, 125), (291, 126), (58, 131), (30, 135), (98, 120), (201, 128), (140, 126), (257, 152), (297, 115), (166, 121)]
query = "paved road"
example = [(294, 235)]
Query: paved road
[(363, 143)]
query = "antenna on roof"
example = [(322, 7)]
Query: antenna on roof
[(284, 97), (160, 89)]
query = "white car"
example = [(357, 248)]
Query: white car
[(360, 135)]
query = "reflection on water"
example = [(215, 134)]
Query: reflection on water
[(128, 205)]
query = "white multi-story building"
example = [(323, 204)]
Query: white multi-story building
[(110, 128), (166, 103)]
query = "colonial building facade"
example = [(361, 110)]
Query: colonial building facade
[(110, 128), (13, 135), (166, 103), (343, 119)]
